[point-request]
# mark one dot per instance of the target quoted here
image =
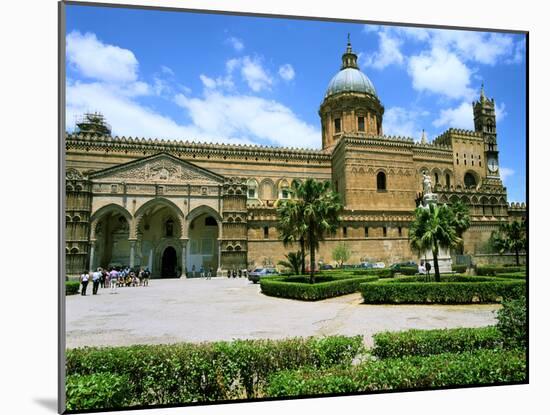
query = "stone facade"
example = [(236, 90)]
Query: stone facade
[(176, 206)]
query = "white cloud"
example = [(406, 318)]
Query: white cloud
[(248, 118), (388, 52), (255, 75), (441, 72), (482, 47), (100, 61), (506, 173), (236, 43), (166, 70), (462, 116), (399, 121), (286, 72)]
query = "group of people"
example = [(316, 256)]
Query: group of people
[(113, 278), (202, 272), (424, 267)]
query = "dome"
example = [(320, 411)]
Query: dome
[(350, 80)]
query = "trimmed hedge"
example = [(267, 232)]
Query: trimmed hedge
[(459, 268), (512, 322), (379, 272), (188, 372), (71, 287), (442, 370), (408, 270), (514, 275), (497, 269), (97, 391), (429, 342), (327, 288), (450, 292)]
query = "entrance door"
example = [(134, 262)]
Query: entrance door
[(169, 263)]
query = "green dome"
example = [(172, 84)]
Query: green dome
[(350, 80)]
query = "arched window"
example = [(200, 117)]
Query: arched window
[(448, 180), (169, 227), (469, 180), (381, 181), (436, 178)]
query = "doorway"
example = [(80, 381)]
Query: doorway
[(169, 263)]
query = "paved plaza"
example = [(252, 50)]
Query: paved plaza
[(195, 310)]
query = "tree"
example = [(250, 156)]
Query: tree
[(293, 261), (291, 224), (431, 229), (341, 253), (460, 221), (321, 209), (511, 237)]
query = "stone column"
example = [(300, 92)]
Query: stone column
[(92, 253), (150, 261), (183, 258), (132, 252), (219, 272)]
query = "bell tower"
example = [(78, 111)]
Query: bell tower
[(485, 123)]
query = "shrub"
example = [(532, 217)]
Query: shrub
[(497, 269), (512, 322), (514, 275), (379, 272), (459, 268), (444, 292), (428, 342), (327, 287), (408, 270), (71, 287), (97, 391), (187, 372), (442, 370)]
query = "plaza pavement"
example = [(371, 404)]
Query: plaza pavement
[(195, 310)]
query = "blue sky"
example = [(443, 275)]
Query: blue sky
[(233, 79)]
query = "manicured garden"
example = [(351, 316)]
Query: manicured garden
[(115, 377)]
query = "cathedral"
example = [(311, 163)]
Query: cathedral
[(177, 206)]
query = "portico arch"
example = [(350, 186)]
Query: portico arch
[(204, 240)]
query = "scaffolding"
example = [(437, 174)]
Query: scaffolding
[(93, 123)]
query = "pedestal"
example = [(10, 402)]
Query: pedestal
[(443, 259)]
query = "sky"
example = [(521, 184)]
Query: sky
[(254, 80)]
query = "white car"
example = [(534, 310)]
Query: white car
[(379, 265)]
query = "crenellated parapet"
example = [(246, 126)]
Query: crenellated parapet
[(192, 149)]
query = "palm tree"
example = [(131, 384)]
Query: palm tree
[(431, 229), (511, 237), (460, 221), (293, 261), (291, 225), (321, 209)]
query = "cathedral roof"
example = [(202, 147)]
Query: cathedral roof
[(350, 78)]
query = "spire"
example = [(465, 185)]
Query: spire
[(482, 93), (423, 139), (349, 59)]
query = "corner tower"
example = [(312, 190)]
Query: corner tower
[(485, 123), (350, 104)]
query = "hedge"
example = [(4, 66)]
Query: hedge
[(513, 275), (97, 391), (399, 292), (408, 270), (71, 287), (380, 272), (428, 342), (188, 372), (497, 269), (413, 372), (327, 288), (512, 322), (459, 268)]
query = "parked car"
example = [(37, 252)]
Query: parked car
[(379, 265), (326, 266), (407, 264), (258, 273), (367, 265)]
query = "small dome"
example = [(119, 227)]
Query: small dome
[(350, 80)]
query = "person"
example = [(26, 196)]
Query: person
[(84, 281), (428, 268), (193, 271), (146, 275), (240, 273), (202, 271), (421, 268), (209, 276), (96, 276), (113, 277), (102, 279)]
